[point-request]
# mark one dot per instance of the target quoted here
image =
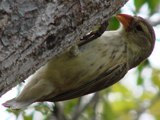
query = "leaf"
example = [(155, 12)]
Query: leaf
[(16, 113), (156, 77), (108, 113), (143, 65), (140, 68), (28, 117), (70, 105), (152, 5), (123, 106), (43, 108), (139, 80), (138, 4), (155, 109), (113, 24), (119, 88), (146, 96)]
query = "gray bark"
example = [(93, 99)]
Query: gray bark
[(34, 31)]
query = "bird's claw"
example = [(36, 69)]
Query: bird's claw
[(94, 34)]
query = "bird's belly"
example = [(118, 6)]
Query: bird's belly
[(71, 72)]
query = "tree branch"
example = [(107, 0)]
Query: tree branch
[(32, 32), (80, 109)]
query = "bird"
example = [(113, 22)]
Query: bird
[(91, 67)]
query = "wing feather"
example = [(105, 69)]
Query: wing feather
[(103, 81)]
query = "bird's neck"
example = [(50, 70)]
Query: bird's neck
[(132, 49)]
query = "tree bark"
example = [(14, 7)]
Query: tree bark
[(34, 31)]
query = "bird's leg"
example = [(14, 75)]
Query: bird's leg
[(73, 51), (94, 34)]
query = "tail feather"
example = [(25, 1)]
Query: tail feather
[(15, 105)]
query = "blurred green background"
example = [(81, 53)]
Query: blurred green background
[(135, 97)]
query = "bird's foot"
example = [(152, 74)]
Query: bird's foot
[(94, 34), (73, 51)]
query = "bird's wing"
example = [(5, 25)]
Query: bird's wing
[(105, 80)]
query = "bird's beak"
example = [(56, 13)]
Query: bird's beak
[(125, 20)]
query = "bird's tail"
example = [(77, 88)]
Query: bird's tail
[(15, 105)]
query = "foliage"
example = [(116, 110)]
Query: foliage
[(153, 4), (119, 102)]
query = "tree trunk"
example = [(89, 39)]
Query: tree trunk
[(34, 31)]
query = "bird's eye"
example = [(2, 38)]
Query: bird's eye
[(139, 28)]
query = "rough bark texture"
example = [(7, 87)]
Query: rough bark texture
[(34, 31)]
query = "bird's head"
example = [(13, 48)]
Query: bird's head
[(139, 36)]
